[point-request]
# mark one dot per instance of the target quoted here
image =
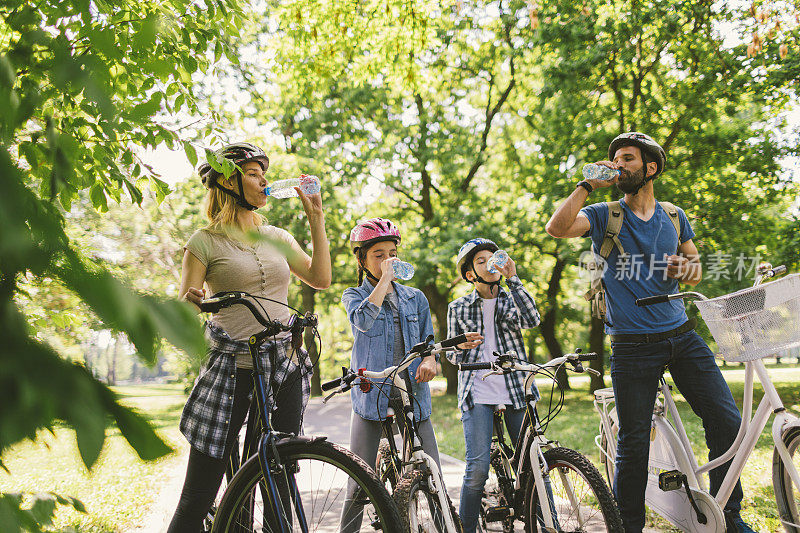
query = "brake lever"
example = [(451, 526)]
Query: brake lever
[(497, 372), (329, 396)]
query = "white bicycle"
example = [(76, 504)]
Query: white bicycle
[(416, 483), (747, 325)]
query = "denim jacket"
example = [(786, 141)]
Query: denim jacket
[(373, 343)]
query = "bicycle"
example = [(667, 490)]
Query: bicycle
[(549, 487), (291, 482), (416, 482), (748, 325)]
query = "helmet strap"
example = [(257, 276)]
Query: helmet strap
[(370, 276), (644, 171), (240, 199), (491, 284)]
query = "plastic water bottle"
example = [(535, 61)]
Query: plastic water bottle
[(285, 188), (402, 270), (593, 171), (499, 258)]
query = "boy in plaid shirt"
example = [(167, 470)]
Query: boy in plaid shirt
[(499, 316)]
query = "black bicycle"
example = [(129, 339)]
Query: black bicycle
[(289, 482), (547, 486)]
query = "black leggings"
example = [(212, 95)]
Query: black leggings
[(204, 473)]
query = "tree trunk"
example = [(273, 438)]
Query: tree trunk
[(597, 344), (548, 325), (309, 304), (438, 304)]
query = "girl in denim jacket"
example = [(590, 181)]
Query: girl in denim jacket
[(387, 319)]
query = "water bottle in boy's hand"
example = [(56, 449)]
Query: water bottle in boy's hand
[(593, 171), (402, 270), (498, 259), (285, 188)]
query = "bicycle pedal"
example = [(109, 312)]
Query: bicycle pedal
[(498, 513), (671, 480)]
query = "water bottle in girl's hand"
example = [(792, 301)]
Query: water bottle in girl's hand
[(593, 171), (498, 259), (402, 270), (285, 188)]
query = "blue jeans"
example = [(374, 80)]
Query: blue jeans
[(478, 427), (635, 371)]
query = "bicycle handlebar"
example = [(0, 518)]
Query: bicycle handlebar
[(423, 349), (227, 299), (650, 300), (765, 271), (509, 362)]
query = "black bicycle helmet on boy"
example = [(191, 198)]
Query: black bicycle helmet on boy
[(651, 151), (467, 253), (239, 154)]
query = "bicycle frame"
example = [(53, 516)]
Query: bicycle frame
[(671, 448), (417, 455), (533, 442)]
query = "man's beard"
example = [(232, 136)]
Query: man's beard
[(631, 182)]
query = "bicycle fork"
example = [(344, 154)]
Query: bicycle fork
[(549, 515)]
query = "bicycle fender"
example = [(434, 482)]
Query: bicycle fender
[(305, 439)]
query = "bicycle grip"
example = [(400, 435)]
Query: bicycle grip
[(778, 270), (454, 341), (329, 385), (650, 300), (475, 366), (590, 356)]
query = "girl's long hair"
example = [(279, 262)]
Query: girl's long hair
[(221, 212)]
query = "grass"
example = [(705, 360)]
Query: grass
[(120, 487), (576, 427)]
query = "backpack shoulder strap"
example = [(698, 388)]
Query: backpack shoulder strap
[(672, 211), (613, 226)]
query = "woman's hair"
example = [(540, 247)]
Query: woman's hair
[(221, 211)]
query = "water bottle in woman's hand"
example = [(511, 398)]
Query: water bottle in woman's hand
[(285, 188), (593, 171), (498, 259), (402, 270)]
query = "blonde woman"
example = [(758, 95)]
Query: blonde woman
[(219, 258)]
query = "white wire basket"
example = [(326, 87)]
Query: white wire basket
[(757, 322)]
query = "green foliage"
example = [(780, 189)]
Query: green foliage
[(81, 87)]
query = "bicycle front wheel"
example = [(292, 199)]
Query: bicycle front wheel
[(420, 506), (579, 499), (321, 472), (787, 494)]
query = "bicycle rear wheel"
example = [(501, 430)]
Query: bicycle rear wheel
[(322, 471), (580, 498), (385, 467), (787, 494), (420, 506)]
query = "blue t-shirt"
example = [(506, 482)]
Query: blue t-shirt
[(648, 244)]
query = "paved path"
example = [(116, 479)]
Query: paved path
[(331, 419)]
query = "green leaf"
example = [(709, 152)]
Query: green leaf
[(191, 153), (98, 196)]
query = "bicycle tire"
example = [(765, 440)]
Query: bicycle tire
[(412, 497), (599, 514), (384, 466), (316, 461), (787, 495)]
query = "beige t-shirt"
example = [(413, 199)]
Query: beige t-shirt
[(258, 269)]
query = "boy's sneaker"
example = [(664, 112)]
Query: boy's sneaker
[(735, 524)]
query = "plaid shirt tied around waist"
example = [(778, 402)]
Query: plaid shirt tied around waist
[(516, 310), (207, 412)]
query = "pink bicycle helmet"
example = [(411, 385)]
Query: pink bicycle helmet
[(373, 230)]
